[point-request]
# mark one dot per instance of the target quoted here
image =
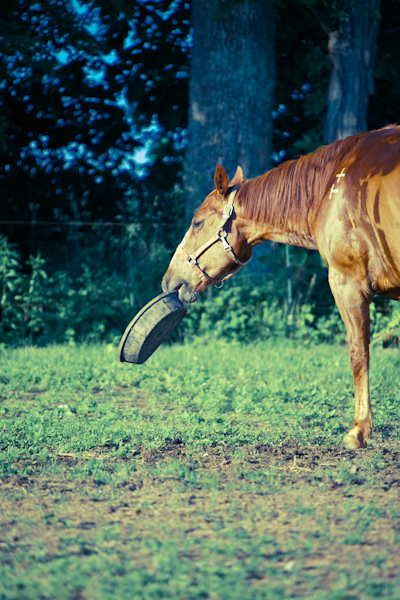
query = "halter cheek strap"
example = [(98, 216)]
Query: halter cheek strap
[(220, 235)]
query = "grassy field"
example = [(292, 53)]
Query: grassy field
[(211, 472)]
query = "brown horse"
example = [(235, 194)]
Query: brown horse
[(342, 200)]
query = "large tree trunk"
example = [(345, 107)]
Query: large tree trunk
[(352, 49), (230, 94)]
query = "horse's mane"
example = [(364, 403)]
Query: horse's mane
[(289, 196)]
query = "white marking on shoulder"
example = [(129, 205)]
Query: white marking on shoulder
[(333, 191), (338, 177)]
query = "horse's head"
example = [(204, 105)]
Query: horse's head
[(214, 245)]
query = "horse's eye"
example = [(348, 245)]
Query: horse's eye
[(197, 225)]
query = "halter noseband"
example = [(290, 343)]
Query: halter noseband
[(220, 235)]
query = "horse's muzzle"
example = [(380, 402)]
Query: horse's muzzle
[(186, 292)]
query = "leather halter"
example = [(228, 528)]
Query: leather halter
[(220, 235)]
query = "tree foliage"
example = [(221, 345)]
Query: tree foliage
[(90, 93)]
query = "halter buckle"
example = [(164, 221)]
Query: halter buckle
[(191, 261), (228, 211)]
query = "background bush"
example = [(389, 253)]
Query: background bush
[(96, 303)]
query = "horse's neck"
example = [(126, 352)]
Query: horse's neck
[(286, 205), (293, 238)]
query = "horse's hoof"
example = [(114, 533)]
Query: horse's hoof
[(352, 442)]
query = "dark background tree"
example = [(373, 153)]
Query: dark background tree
[(352, 50), (230, 92), (303, 32)]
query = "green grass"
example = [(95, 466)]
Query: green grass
[(65, 399), (212, 471)]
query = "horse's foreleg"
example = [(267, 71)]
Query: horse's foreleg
[(353, 304)]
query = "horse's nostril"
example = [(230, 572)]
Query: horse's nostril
[(164, 284)]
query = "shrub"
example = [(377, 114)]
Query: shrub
[(97, 304)]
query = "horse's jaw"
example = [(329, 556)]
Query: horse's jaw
[(188, 294)]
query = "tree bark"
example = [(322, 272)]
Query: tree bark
[(230, 94), (352, 49)]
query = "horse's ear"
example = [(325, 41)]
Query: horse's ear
[(221, 180), (238, 179)]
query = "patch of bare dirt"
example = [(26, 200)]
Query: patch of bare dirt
[(314, 506), (300, 462)]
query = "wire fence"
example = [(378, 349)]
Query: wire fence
[(120, 246), (91, 223)]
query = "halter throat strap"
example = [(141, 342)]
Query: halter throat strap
[(220, 235)]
